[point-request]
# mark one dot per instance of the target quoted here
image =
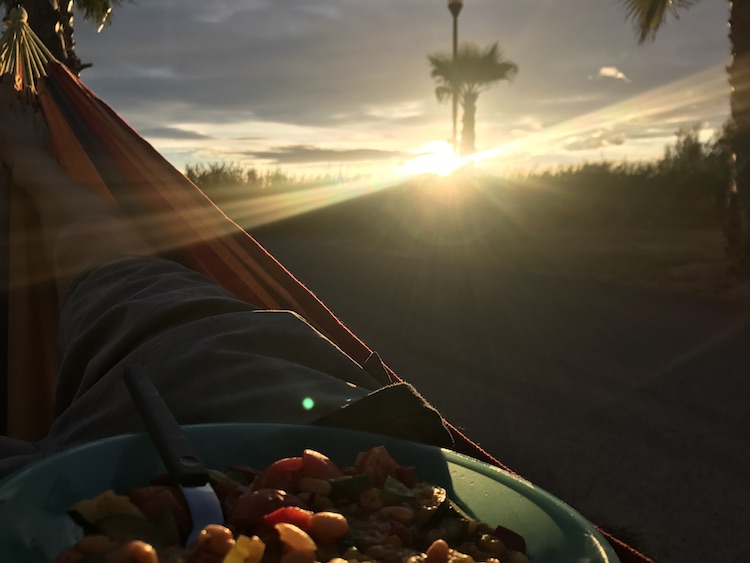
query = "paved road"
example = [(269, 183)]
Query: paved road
[(630, 405)]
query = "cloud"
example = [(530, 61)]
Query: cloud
[(172, 133), (612, 72), (595, 140), (219, 11), (303, 154), (573, 99)]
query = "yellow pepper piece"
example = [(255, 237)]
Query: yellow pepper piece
[(246, 550)]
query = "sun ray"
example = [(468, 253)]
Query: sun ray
[(667, 104)]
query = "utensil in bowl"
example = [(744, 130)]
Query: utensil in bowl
[(183, 464)]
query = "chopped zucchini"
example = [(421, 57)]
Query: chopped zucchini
[(395, 492), (349, 486)]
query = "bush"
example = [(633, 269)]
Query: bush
[(685, 188)]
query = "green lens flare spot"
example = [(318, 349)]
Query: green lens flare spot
[(307, 403)]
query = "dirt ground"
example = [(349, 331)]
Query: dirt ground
[(610, 370)]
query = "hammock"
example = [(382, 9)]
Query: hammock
[(100, 150)]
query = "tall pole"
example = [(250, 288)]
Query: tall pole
[(455, 7)]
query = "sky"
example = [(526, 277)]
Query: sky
[(342, 87)]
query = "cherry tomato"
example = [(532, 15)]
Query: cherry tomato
[(247, 513), (281, 474), (289, 515)]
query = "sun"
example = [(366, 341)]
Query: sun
[(436, 157)]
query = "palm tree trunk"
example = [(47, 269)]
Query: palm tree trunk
[(468, 131), (737, 227), (53, 24)]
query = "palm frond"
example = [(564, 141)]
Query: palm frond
[(473, 70), (444, 93), (99, 11), (649, 15)]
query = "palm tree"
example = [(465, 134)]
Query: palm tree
[(649, 16), (52, 21), (471, 72)]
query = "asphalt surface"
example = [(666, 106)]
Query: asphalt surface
[(630, 405)]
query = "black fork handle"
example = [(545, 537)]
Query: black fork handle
[(180, 458)]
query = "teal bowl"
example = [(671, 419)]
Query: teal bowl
[(33, 501)]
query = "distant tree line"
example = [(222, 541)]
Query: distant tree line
[(686, 187), (225, 182)]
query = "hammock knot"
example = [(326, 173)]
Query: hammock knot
[(17, 16)]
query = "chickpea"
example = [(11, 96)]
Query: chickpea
[(133, 552), (402, 514), (438, 551), (317, 486), (328, 527), (214, 539)]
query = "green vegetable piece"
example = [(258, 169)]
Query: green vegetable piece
[(349, 486), (128, 527), (215, 477), (395, 492), (449, 516)]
